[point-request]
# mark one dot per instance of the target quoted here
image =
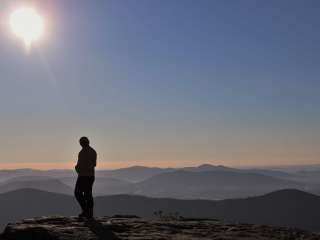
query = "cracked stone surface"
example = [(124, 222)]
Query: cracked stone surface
[(134, 228)]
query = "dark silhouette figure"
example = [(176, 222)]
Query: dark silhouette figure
[(87, 161)]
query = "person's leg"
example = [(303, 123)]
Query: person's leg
[(89, 197), (79, 193)]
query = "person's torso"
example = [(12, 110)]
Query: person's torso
[(87, 161)]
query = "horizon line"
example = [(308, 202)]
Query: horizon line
[(109, 166)]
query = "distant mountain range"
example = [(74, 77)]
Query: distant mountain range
[(286, 207), (140, 173), (180, 184), (133, 174), (211, 185), (35, 182), (203, 182)]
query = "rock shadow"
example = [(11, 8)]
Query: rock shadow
[(101, 231)]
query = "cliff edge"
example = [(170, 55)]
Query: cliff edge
[(72, 228)]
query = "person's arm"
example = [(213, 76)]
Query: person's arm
[(93, 163), (76, 167), (95, 159)]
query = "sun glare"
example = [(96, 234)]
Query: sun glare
[(27, 24)]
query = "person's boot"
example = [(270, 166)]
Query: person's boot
[(89, 213), (82, 215)]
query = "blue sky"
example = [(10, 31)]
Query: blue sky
[(164, 83)]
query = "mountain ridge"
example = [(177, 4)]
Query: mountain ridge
[(271, 209), (205, 182)]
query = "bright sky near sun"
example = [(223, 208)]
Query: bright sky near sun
[(27, 24), (160, 83)]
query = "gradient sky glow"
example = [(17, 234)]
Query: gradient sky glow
[(163, 83)]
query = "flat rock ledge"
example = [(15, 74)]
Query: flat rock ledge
[(134, 228)]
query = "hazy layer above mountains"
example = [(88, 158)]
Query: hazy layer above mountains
[(202, 182)]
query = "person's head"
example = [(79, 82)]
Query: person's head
[(84, 142)]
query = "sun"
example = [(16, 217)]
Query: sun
[(27, 24)]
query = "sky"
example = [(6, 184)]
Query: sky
[(162, 83)]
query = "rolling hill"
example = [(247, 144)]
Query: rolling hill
[(286, 207)]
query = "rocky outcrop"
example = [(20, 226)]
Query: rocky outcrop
[(130, 227)]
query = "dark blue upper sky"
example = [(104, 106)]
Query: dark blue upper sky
[(164, 82)]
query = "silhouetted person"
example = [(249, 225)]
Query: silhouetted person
[(87, 161)]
